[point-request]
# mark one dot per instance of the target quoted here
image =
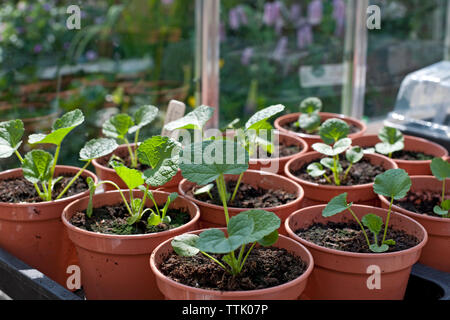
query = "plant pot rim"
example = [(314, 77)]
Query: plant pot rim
[(195, 218), (234, 294), (415, 139), (420, 245), (361, 125), (325, 186), (413, 214), (301, 194), (45, 203)]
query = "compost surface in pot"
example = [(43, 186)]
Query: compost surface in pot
[(362, 172), (349, 237), (19, 190), (293, 127), (411, 155), (247, 196), (283, 151), (265, 268), (112, 219), (421, 202)]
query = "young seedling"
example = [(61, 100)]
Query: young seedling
[(194, 120), (121, 125), (392, 140), (310, 119), (393, 183), (208, 161), (247, 228), (39, 166), (334, 133), (161, 154), (441, 171)]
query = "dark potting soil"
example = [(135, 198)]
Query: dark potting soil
[(21, 190), (113, 220), (350, 238), (411, 155), (361, 173), (264, 268), (283, 151), (247, 196), (293, 127), (421, 202), (124, 155)]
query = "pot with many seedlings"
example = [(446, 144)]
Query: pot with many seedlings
[(245, 260), (115, 232), (337, 167), (33, 196), (365, 254), (428, 203), (120, 127), (412, 154)]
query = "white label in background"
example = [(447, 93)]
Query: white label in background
[(175, 111), (321, 76)]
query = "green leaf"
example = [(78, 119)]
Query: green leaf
[(315, 170), (11, 133), (333, 130), (162, 154), (92, 188), (131, 177), (329, 163), (193, 120), (440, 169), (354, 154), (379, 249), (373, 222), (142, 117), (61, 128), (389, 242), (309, 122), (336, 205), (136, 204), (269, 240), (97, 148), (369, 151), (166, 220), (154, 219), (390, 135), (169, 200), (205, 161), (311, 105), (117, 127), (386, 148), (185, 245), (265, 223), (262, 116), (331, 151), (446, 204), (37, 166), (205, 189), (394, 183)]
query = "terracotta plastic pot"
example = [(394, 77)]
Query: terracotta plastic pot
[(320, 194), (313, 138), (116, 266), (34, 233), (106, 173), (436, 252), (213, 216), (420, 167), (289, 291), (340, 275)]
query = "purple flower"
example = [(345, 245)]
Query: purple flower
[(66, 45), (304, 36), (20, 30), (242, 15), (233, 19), (280, 50), (46, 6), (279, 24), (339, 15), (295, 12), (37, 48), (91, 55), (246, 56), (315, 12), (271, 13)]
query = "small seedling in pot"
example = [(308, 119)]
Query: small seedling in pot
[(310, 119), (194, 120), (441, 171), (39, 166), (392, 140), (334, 133), (243, 230), (394, 184), (161, 154), (121, 125)]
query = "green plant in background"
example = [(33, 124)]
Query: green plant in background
[(334, 133), (161, 154), (38, 165), (247, 228), (310, 119), (392, 140), (441, 171), (394, 184), (119, 126)]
